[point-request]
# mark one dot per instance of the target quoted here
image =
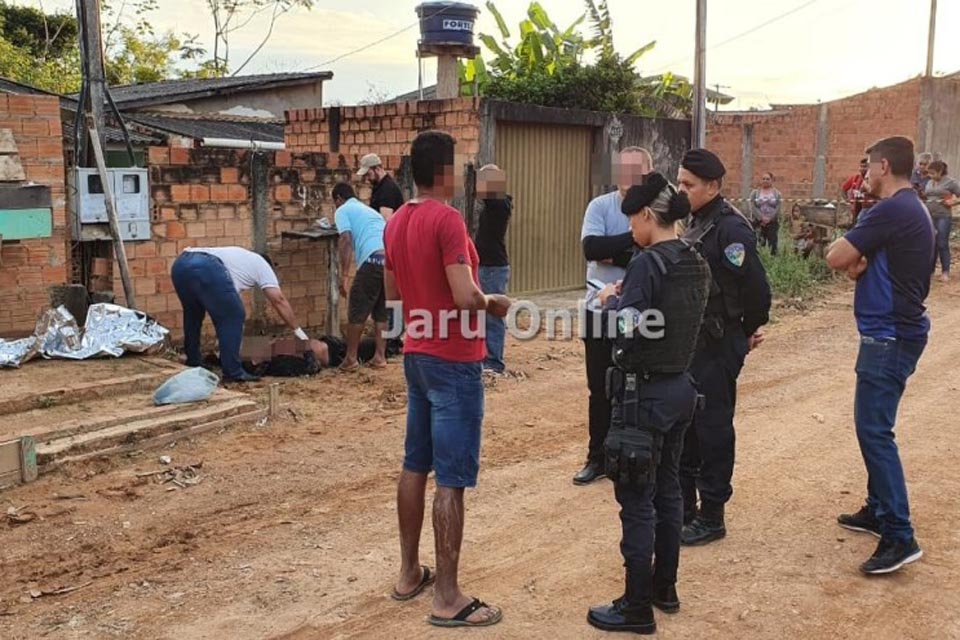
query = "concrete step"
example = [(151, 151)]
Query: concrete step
[(144, 433)]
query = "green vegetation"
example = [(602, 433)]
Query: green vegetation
[(791, 275), (43, 49), (548, 66)]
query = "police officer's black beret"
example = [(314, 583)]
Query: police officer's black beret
[(641, 195), (703, 164)]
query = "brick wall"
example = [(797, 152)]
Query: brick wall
[(785, 140), (203, 197), (30, 267), (385, 129), (857, 121)]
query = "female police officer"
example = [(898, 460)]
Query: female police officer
[(659, 309)]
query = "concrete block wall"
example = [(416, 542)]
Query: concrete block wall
[(30, 267)]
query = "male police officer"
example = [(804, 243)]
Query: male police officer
[(738, 307)]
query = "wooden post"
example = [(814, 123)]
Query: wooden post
[(274, 410), (333, 295), (118, 248)]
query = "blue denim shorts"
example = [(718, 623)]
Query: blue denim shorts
[(444, 419)]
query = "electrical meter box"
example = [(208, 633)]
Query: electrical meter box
[(131, 193)]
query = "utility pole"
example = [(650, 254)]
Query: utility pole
[(932, 37), (700, 79), (91, 39), (92, 43)]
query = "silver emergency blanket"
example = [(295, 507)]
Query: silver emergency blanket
[(110, 330)]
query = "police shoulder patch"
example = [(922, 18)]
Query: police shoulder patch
[(736, 253)]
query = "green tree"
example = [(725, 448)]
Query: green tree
[(43, 49), (548, 67)]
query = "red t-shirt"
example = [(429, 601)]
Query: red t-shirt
[(853, 182), (421, 240)]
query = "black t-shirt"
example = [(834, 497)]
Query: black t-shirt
[(492, 232), (386, 194)]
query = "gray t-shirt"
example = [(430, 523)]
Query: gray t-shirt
[(603, 218), (935, 193), (247, 269)]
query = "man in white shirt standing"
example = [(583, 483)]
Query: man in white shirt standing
[(608, 247), (209, 281)]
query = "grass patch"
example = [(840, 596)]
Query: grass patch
[(793, 276)]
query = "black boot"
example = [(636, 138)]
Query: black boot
[(666, 599), (706, 527), (631, 612)]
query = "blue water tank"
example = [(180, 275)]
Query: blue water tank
[(447, 23)]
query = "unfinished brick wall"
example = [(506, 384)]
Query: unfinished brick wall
[(385, 129), (785, 140), (204, 198), (855, 122), (30, 267)]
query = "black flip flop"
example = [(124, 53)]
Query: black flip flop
[(425, 582), (460, 620)]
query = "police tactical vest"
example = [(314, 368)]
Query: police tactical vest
[(725, 303), (682, 298)]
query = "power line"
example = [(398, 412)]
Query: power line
[(374, 43), (744, 33)]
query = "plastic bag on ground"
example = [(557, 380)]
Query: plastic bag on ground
[(192, 385)]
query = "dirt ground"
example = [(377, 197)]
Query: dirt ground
[(292, 533)]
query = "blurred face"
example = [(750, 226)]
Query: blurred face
[(766, 181), (629, 169), (923, 165), (699, 191), (936, 174), (375, 175), (642, 226), (445, 182), (864, 166), (492, 183)]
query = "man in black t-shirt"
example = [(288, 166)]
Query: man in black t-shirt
[(494, 210), (386, 197)]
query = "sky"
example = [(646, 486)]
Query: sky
[(820, 50)]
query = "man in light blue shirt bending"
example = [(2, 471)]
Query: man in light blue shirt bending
[(361, 236)]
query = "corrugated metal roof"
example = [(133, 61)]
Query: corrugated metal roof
[(167, 91), (114, 134), (210, 127)]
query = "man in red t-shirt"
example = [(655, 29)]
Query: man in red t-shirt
[(431, 266)]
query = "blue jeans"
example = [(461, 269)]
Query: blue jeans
[(883, 367), (495, 280), (444, 419), (204, 286), (943, 242)]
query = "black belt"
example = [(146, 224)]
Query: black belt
[(377, 259)]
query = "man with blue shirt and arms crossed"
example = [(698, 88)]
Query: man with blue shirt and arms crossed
[(361, 236), (890, 255)]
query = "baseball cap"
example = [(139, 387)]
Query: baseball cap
[(368, 162)]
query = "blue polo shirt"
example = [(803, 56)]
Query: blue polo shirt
[(365, 226), (897, 237)]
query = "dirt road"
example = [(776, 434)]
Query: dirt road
[(292, 533)]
